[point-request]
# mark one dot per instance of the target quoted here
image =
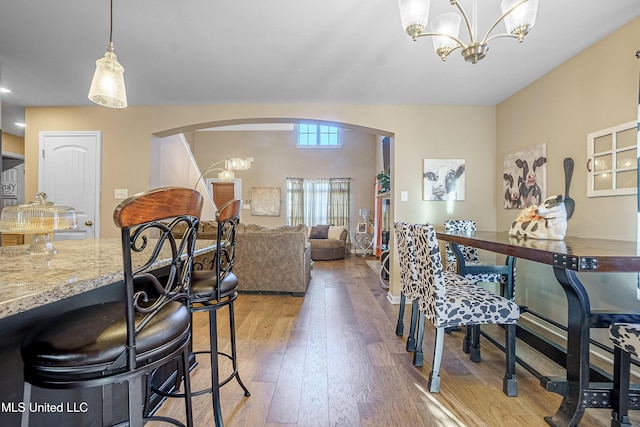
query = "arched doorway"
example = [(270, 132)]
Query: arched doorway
[(206, 143)]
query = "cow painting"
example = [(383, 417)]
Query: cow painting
[(511, 193), (528, 187), (525, 177), (444, 179)]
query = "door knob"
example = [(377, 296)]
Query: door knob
[(88, 223)]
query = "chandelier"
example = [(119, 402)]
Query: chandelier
[(226, 173), (519, 17)]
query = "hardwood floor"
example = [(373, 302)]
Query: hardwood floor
[(332, 359)]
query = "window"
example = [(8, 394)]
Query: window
[(318, 201), (612, 161), (314, 135)]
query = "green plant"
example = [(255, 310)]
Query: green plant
[(384, 180)]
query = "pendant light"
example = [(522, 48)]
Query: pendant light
[(107, 87)]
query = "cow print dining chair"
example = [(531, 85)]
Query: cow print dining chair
[(464, 260), (626, 341), (409, 290), (409, 283), (456, 302)]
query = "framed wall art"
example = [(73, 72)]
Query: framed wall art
[(525, 177), (265, 201), (443, 179)]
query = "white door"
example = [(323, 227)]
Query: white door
[(69, 173)]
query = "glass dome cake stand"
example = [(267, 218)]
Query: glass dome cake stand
[(38, 218)]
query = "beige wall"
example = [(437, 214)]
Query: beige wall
[(276, 157), (12, 143), (420, 131), (596, 89)]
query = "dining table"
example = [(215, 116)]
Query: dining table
[(583, 386)]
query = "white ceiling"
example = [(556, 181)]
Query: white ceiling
[(279, 51)]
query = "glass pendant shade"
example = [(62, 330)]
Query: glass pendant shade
[(414, 15), (107, 87), (522, 19), (237, 164), (446, 23), (226, 175)]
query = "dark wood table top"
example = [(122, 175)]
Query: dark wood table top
[(575, 253)]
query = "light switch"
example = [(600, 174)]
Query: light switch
[(404, 196), (122, 193)]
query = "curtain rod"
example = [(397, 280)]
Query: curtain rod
[(348, 177)]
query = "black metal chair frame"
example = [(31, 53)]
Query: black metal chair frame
[(620, 391), (471, 342), (147, 221), (227, 218)]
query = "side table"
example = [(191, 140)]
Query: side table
[(364, 243)]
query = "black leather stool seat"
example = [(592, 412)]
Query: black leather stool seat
[(124, 342), (204, 285), (92, 340)]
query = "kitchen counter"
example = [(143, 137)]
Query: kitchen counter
[(31, 281)]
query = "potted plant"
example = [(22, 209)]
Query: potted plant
[(384, 182)]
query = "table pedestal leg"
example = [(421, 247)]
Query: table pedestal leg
[(579, 310)]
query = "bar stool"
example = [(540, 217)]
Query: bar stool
[(213, 289), (626, 340), (464, 260), (123, 341)]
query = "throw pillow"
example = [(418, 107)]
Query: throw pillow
[(319, 232), (335, 232)]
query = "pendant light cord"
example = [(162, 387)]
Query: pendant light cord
[(111, 24)]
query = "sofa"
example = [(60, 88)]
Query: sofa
[(328, 242), (268, 259)]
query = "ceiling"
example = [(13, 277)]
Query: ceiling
[(280, 51)]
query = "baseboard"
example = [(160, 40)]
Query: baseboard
[(396, 299)]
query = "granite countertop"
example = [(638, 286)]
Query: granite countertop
[(30, 281)]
